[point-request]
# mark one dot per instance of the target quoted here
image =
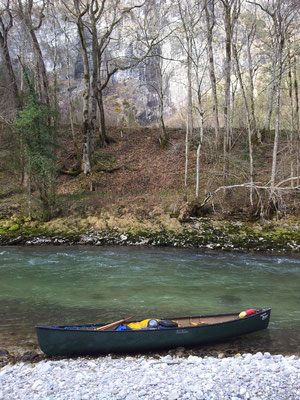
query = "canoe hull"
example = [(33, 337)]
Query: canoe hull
[(61, 342)]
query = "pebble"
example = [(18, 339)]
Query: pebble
[(257, 376)]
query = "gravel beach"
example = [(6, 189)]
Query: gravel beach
[(247, 376)]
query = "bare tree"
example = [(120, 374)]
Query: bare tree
[(250, 32), (97, 21), (70, 98), (292, 141), (231, 9), (188, 20), (200, 60), (250, 125), (272, 85), (5, 14), (209, 7), (113, 13), (156, 26), (163, 74), (281, 14), (297, 116), (87, 129), (199, 78), (26, 12)]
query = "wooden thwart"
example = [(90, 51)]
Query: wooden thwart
[(113, 324)]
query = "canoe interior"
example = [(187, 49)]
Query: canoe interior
[(183, 322), (215, 319), (195, 321)]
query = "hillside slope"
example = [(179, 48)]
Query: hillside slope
[(136, 190)]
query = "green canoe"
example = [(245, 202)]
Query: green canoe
[(192, 331)]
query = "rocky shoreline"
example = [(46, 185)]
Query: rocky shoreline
[(170, 377), (199, 233)]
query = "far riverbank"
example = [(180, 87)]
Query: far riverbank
[(157, 230)]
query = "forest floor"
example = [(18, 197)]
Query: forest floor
[(135, 195)]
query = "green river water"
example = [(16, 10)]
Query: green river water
[(66, 285)]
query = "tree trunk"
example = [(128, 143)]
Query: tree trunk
[(164, 138), (55, 117), (55, 85), (227, 108), (86, 128), (249, 123), (277, 116), (11, 74), (251, 87), (189, 83), (234, 87), (41, 63), (71, 106), (185, 195), (296, 93), (189, 119), (164, 133), (271, 93), (231, 13), (209, 31), (102, 126), (94, 83), (199, 144), (292, 116), (28, 181), (8, 63), (27, 18), (37, 80), (297, 122)]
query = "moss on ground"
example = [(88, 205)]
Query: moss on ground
[(158, 230)]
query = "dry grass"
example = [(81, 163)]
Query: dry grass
[(150, 180)]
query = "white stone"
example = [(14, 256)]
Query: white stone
[(44, 368), (259, 355), (173, 395), (242, 391), (132, 396), (78, 377), (37, 384)]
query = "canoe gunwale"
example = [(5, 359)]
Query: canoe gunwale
[(202, 326), (58, 341)]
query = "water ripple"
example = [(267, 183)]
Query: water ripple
[(74, 284)]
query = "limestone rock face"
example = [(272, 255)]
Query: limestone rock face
[(132, 96)]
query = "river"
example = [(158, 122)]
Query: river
[(65, 285)]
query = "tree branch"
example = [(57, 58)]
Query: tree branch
[(254, 186)]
